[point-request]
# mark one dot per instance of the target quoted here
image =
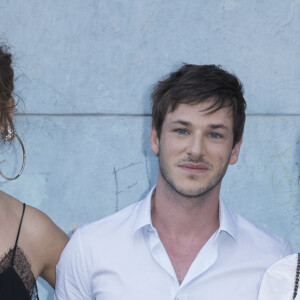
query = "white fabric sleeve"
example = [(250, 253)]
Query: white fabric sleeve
[(278, 281), (72, 281)]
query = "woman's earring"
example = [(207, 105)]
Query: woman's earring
[(11, 134)]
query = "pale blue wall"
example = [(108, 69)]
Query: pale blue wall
[(88, 68)]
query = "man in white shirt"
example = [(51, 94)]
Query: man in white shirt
[(181, 241)]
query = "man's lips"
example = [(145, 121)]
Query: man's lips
[(194, 167)]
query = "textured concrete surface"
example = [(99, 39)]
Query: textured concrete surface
[(85, 72)]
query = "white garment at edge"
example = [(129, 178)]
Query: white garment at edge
[(279, 280), (122, 257)]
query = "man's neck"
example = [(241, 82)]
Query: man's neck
[(184, 224), (186, 216)]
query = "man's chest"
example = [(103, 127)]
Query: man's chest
[(160, 287), (181, 256), (146, 278)]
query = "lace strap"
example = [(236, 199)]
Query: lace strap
[(297, 278), (16, 243)]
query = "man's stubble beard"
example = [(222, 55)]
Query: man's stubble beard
[(203, 192)]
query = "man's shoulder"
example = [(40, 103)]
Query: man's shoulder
[(260, 238), (113, 223)]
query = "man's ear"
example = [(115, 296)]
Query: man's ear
[(154, 141), (235, 152)]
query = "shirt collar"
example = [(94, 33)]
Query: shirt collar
[(143, 217), (227, 221), (227, 217)]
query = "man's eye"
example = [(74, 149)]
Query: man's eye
[(215, 135), (181, 131)]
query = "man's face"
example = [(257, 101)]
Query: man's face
[(195, 148)]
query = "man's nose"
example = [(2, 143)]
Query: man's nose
[(196, 146)]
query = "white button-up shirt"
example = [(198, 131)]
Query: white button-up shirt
[(122, 257), (279, 281)]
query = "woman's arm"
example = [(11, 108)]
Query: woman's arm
[(47, 243)]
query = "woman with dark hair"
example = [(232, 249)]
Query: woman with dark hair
[(30, 243)]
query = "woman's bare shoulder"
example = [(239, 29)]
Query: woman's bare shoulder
[(40, 238), (41, 230), (35, 224), (10, 215), (10, 205), (45, 242)]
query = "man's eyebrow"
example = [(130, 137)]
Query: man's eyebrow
[(211, 126), (181, 122), (218, 126)]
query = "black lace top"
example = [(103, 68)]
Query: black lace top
[(17, 281)]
